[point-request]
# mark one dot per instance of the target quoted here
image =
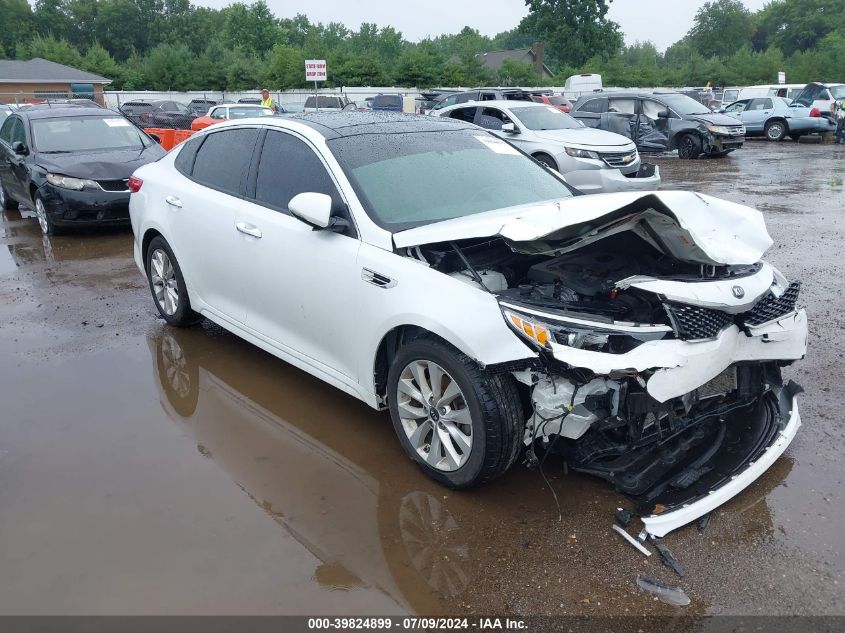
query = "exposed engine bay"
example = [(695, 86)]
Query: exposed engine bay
[(597, 316)]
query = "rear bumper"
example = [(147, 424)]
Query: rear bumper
[(659, 525), (613, 181), (810, 125)]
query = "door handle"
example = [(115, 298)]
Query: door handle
[(249, 229), (173, 201)]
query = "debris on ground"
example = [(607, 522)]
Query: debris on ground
[(668, 559), (631, 540), (703, 522), (662, 591), (623, 517)]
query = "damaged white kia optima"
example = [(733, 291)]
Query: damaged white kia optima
[(426, 266)]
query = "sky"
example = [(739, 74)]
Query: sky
[(661, 21)]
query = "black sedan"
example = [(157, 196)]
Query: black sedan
[(71, 165), (162, 114), (659, 122)]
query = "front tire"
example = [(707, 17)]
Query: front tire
[(48, 227), (167, 285), (689, 147), (546, 160), (461, 425), (775, 131)]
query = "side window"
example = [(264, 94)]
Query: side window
[(218, 113), (18, 133), (223, 159), (652, 108), (760, 104), (739, 106), (289, 166), (492, 119), (184, 162), (467, 96), (6, 130), (463, 114), (623, 106), (595, 105), (448, 101)]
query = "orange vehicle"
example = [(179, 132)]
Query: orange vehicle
[(556, 101), (227, 111)]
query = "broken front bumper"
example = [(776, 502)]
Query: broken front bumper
[(613, 181), (659, 525)]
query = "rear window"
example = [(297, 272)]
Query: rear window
[(223, 160), (594, 105), (136, 107), (324, 102), (387, 101)]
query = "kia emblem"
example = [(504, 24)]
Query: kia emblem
[(739, 293)]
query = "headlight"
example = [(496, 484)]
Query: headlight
[(66, 182), (721, 129), (581, 153), (594, 339)]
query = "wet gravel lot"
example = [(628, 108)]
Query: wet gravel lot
[(145, 470)]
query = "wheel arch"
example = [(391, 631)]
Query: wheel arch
[(546, 155), (149, 236)]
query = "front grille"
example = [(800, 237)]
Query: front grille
[(772, 307), (693, 323), (619, 159), (114, 185)]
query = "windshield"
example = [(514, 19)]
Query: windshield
[(684, 105), (245, 113), (419, 178), (86, 134), (558, 101), (837, 92), (544, 118)]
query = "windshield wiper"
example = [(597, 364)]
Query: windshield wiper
[(56, 151)]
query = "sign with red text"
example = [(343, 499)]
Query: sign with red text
[(315, 70)]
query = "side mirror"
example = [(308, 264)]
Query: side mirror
[(509, 128), (722, 110), (312, 208), (20, 148), (663, 114)]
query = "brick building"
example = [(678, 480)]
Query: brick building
[(37, 79)]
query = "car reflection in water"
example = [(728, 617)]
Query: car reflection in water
[(320, 463)]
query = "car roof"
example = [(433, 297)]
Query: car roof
[(59, 112), (502, 103), (332, 125)]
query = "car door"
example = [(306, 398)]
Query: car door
[(201, 213), (17, 183), (6, 153), (300, 285), (736, 109), (492, 118), (756, 114)]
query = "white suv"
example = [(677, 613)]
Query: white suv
[(426, 266)]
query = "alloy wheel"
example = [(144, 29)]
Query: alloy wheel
[(163, 277), (41, 214), (435, 415), (775, 132)]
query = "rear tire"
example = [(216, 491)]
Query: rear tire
[(6, 202), (775, 131), (167, 285), (488, 406), (689, 147)]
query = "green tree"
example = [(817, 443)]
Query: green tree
[(59, 51), (800, 25), (573, 30), (284, 68), (18, 24), (516, 73), (252, 28), (169, 67), (721, 27)]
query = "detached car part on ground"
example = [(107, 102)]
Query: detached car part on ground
[(71, 165), (592, 161), (425, 266), (662, 122)]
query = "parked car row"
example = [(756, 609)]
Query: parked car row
[(429, 268)]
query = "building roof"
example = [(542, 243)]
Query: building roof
[(42, 71), (493, 59)]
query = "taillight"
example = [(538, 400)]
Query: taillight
[(134, 184), (815, 112)]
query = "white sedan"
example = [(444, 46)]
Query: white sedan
[(425, 266), (593, 161)]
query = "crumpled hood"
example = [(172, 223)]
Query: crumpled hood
[(715, 119), (109, 165), (688, 226), (587, 138)]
